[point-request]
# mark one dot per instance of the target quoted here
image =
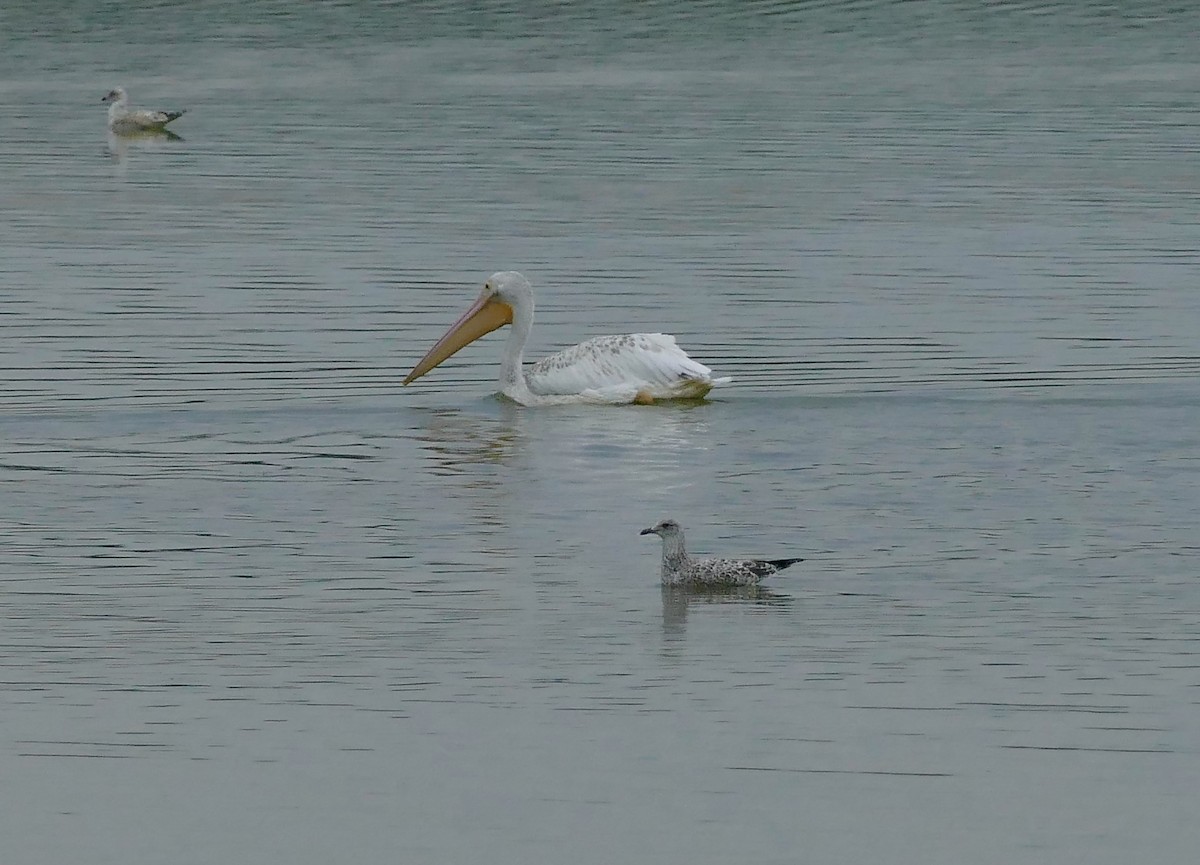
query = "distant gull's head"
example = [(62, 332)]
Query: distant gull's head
[(665, 529), (117, 94)]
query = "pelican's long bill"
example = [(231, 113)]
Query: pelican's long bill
[(485, 315)]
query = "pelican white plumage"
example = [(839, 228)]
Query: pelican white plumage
[(124, 120), (611, 370)]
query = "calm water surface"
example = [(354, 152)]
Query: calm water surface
[(263, 604)]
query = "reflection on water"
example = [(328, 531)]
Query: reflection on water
[(456, 441), (677, 599), (120, 146)]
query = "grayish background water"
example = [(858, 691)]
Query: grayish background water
[(261, 604)]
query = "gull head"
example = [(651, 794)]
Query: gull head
[(117, 95), (665, 529)]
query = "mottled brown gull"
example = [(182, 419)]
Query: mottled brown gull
[(680, 569), (124, 120)]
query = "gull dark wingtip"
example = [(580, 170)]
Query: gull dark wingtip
[(780, 564)]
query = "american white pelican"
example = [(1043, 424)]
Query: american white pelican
[(636, 367), (124, 120), (680, 569)]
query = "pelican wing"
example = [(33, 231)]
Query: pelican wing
[(647, 363)]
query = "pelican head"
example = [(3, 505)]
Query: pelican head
[(504, 292), (117, 95), (666, 529)]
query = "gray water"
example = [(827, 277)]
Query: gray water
[(262, 604)]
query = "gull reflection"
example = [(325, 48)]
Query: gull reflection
[(121, 145), (676, 600)]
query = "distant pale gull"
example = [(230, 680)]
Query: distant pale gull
[(124, 120), (680, 569)]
